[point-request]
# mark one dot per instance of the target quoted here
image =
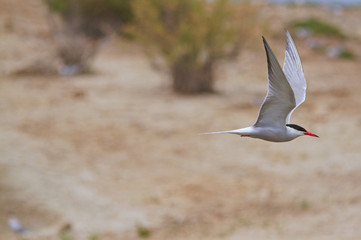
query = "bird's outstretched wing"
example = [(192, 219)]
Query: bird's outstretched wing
[(280, 99), (293, 71)]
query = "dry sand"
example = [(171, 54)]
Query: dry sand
[(115, 152)]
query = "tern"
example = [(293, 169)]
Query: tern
[(286, 91)]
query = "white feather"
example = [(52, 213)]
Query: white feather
[(293, 71), (286, 91), (280, 99)]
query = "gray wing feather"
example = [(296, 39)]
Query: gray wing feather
[(293, 71), (280, 99)]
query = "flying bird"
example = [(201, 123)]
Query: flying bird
[(286, 91)]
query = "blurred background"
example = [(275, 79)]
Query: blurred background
[(102, 103)]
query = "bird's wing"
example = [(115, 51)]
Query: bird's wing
[(280, 99), (293, 71)]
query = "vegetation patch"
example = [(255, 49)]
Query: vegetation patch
[(347, 54), (192, 36), (319, 27), (78, 26), (143, 232)]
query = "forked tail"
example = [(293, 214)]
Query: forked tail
[(245, 132), (231, 131)]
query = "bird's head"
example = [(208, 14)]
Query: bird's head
[(299, 131)]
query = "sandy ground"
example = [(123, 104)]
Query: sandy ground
[(116, 152)]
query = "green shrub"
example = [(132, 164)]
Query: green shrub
[(143, 232), (319, 27), (193, 35), (83, 24), (90, 16), (347, 54)]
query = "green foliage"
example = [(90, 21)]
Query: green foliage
[(143, 232), (193, 35), (93, 9), (304, 204), (193, 30), (93, 237), (66, 237), (58, 6), (82, 26), (347, 54), (319, 27), (92, 15)]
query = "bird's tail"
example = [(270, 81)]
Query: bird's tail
[(242, 131), (230, 131)]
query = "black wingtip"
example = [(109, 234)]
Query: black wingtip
[(266, 46), (265, 43)]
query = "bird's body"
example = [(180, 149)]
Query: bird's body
[(286, 91), (280, 134)]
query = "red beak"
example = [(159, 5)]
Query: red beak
[(310, 134)]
